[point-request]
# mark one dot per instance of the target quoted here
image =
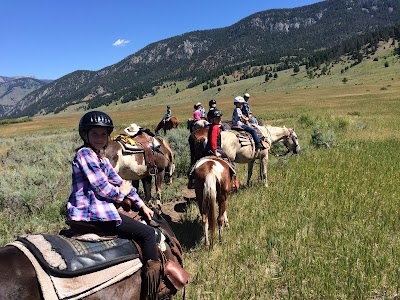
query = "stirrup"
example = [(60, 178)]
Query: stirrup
[(153, 171)]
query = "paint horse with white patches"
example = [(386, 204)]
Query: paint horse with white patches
[(214, 182)]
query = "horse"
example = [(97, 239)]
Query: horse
[(133, 166), (18, 278), (193, 125), (213, 183), (246, 154), (170, 123)]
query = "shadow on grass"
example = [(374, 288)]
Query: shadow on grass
[(188, 233)]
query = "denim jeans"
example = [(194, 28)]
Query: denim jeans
[(253, 133)]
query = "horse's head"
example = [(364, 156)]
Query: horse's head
[(291, 142)]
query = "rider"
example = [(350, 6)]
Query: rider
[(212, 105), (246, 109), (167, 114), (202, 111), (238, 119), (96, 186), (213, 146), (197, 112)]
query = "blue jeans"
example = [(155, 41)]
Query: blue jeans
[(253, 133)]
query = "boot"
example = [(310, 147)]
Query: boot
[(151, 279), (260, 146), (154, 287)]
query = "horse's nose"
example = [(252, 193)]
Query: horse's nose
[(297, 150)]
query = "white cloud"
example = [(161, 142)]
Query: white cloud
[(120, 43)]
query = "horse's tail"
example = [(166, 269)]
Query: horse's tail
[(209, 200)]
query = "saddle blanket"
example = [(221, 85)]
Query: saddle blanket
[(67, 257), (57, 288)]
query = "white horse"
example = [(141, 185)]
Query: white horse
[(246, 152)]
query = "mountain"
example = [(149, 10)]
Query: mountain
[(260, 39), (14, 89)]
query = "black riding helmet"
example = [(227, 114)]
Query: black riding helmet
[(212, 102), (214, 113), (95, 118)]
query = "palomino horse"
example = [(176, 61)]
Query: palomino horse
[(246, 154), (170, 123), (213, 184), (193, 125), (133, 166), (18, 278)]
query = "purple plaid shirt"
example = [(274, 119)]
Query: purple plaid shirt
[(95, 186)]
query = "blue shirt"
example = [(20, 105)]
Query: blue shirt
[(246, 109)]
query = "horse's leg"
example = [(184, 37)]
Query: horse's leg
[(250, 166), (159, 179), (146, 181), (222, 216), (264, 169), (135, 184)]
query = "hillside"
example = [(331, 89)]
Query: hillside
[(281, 37), (14, 89)]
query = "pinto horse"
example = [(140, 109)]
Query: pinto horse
[(213, 183), (133, 166), (246, 153), (18, 278), (170, 123)]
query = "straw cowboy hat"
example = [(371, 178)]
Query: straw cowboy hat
[(132, 130), (198, 103)]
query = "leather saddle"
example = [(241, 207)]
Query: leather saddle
[(245, 138), (141, 142)]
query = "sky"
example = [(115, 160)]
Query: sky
[(52, 38)]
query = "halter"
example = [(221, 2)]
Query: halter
[(292, 136)]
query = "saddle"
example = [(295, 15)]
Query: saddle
[(78, 262), (141, 142), (245, 138)]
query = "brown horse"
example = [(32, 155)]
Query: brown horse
[(245, 153), (213, 184), (133, 166), (170, 123), (18, 279)]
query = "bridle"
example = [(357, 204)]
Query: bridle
[(291, 136)]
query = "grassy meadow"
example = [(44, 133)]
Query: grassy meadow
[(327, 227)]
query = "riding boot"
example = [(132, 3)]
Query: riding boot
[(151, 279), (260, 146), (154, 287)]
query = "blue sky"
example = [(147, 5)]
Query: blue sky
[(51, 38)]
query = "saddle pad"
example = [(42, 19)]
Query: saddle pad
[(55, 288), (67, 257)]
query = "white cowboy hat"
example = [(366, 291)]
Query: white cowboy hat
[(198, 104), (132, 129)]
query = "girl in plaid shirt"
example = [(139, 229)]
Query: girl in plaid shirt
[(96, 187)]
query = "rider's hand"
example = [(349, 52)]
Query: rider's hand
[(217, 154), (126, 187), (147, 212)]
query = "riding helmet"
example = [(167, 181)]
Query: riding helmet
[(212, 102), (214, 113), (238, 99), (246, 95), (95, 118)]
